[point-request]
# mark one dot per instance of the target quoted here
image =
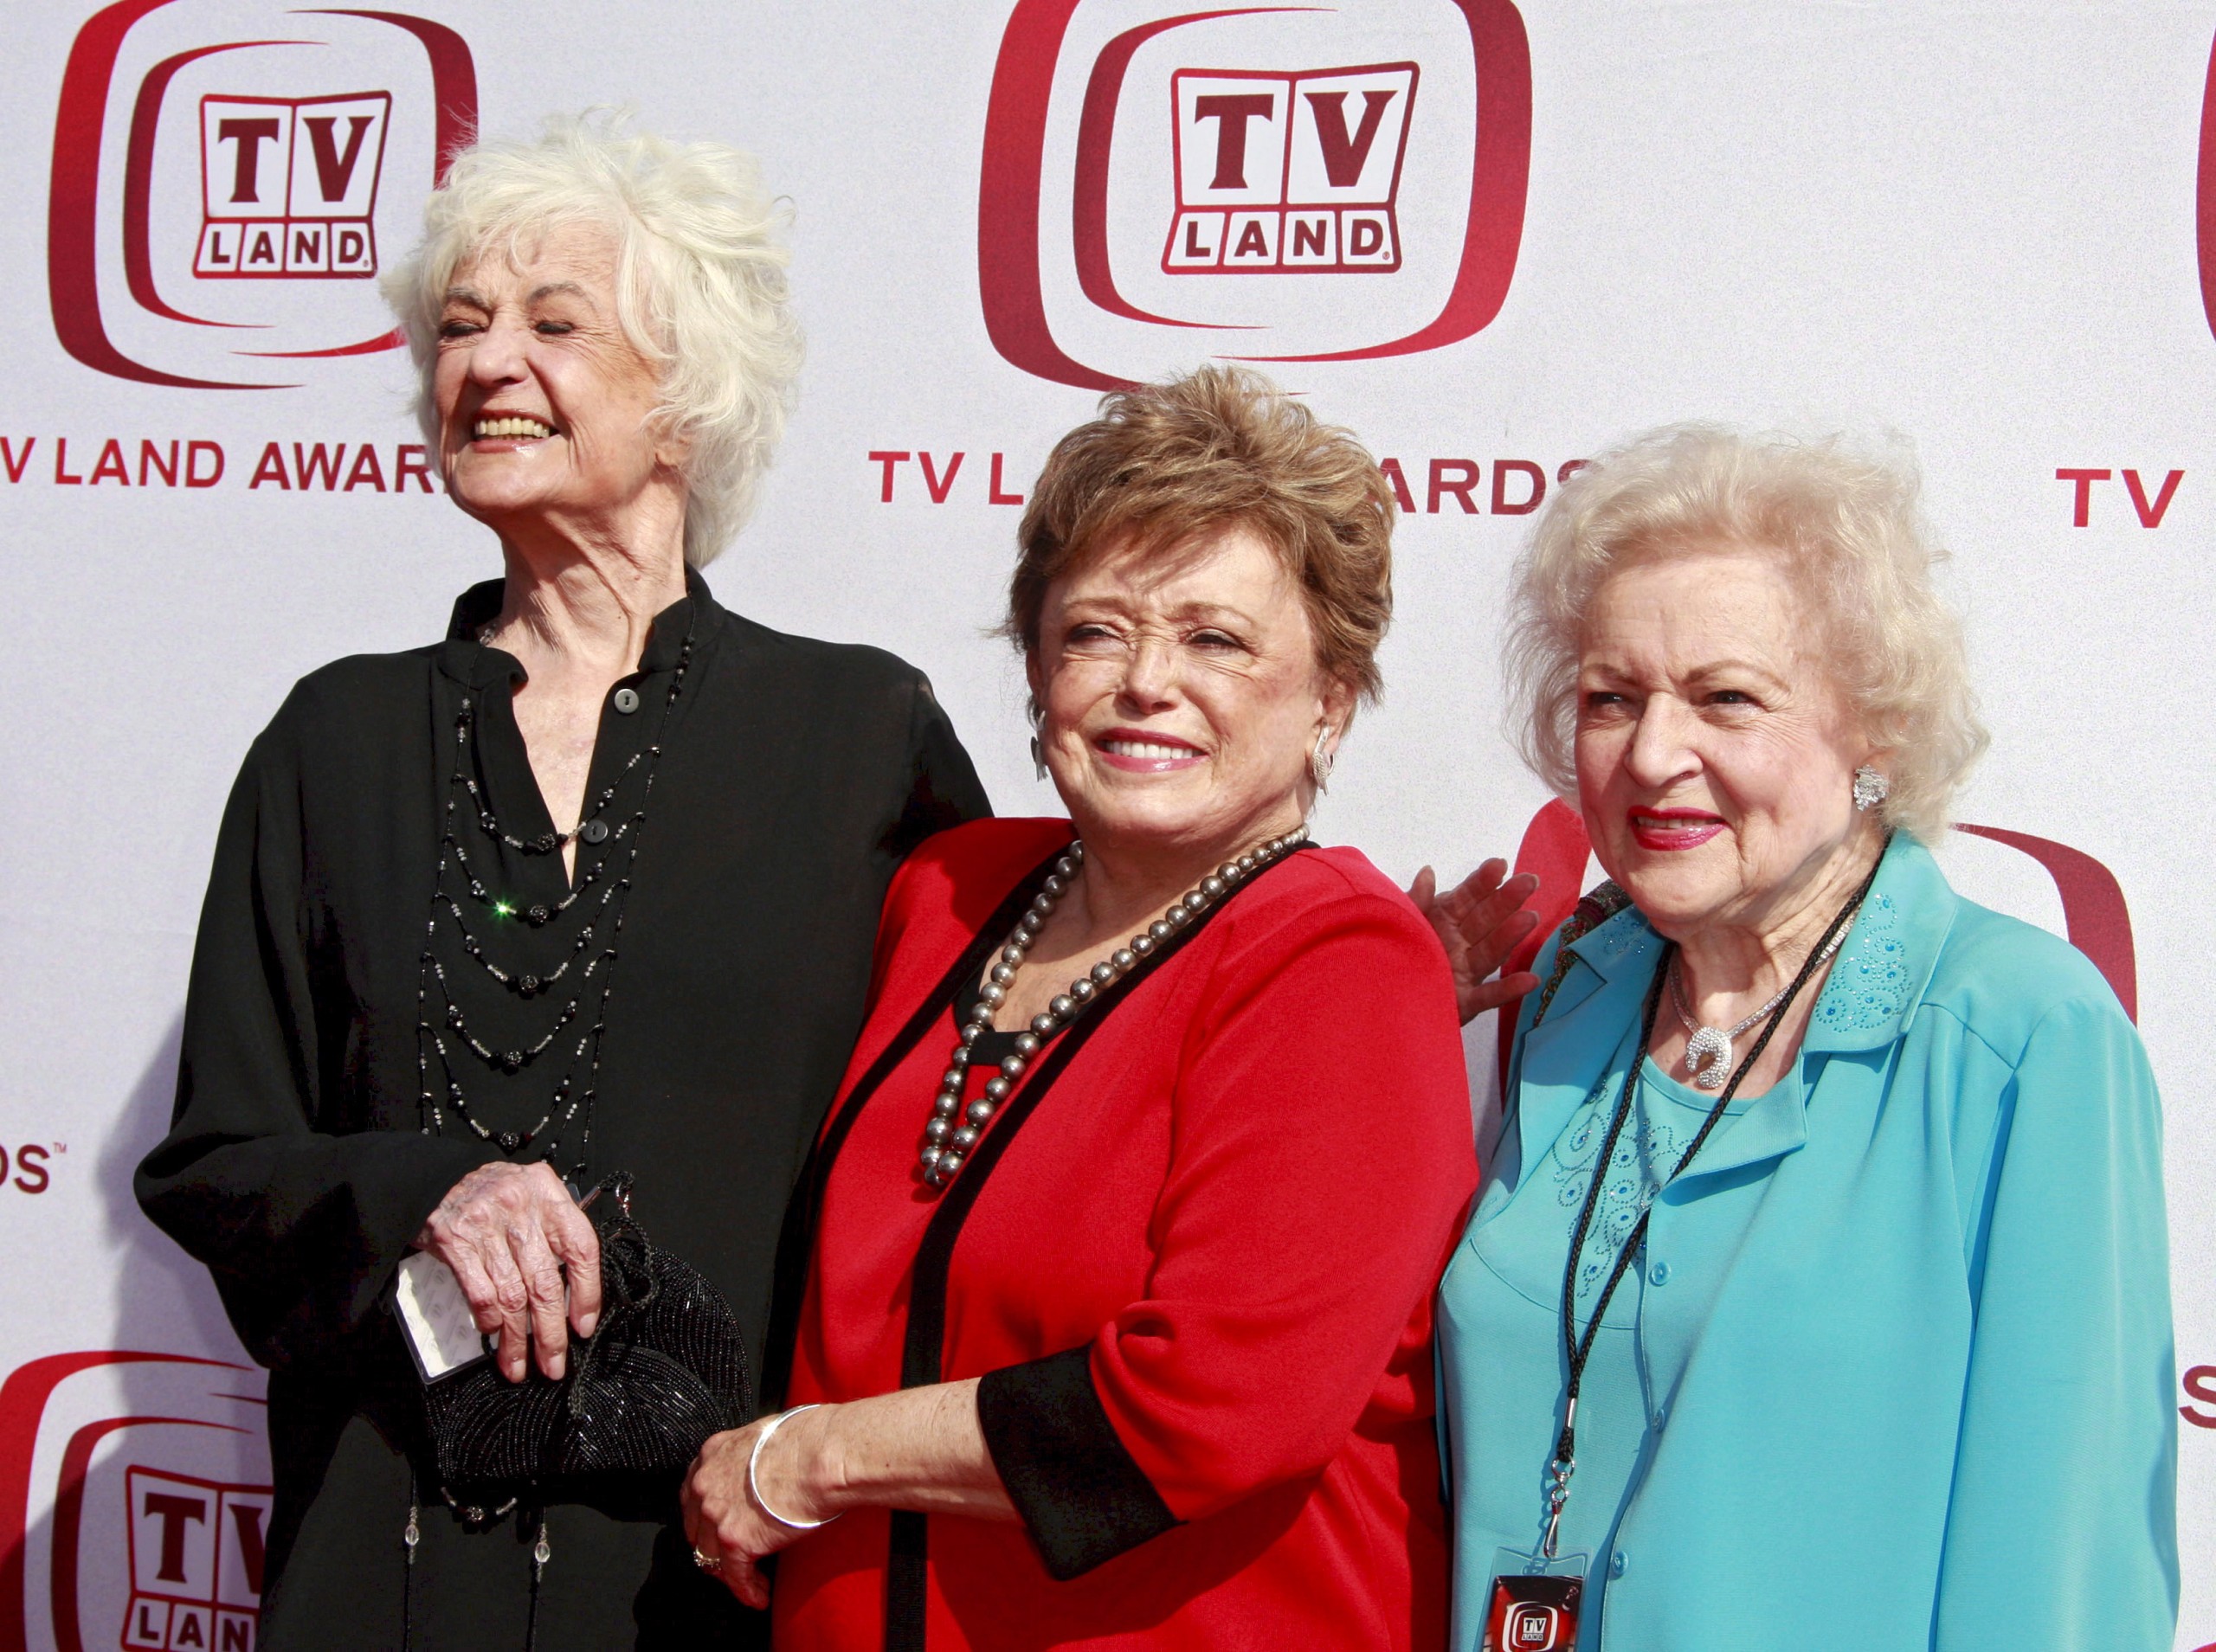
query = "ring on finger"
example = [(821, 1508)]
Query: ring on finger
[(706, 1561)]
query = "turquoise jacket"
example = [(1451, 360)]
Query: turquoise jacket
[(1895, 1371)]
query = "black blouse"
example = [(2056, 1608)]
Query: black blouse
[(794, 776)]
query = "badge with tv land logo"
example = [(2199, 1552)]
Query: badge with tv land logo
[(1533, 1613)]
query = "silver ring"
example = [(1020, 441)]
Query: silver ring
[(707, 1562)]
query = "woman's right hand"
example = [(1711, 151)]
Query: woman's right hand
[(508, 1231), (1481, 921), (730, 1530)]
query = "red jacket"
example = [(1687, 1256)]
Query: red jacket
[(1195, 1276)]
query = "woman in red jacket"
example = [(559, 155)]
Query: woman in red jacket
[(1120, 1238)]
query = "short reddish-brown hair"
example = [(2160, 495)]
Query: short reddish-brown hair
[(1220, 447)]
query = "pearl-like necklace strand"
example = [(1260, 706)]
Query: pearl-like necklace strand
[(953, 1129), (1712, 1044)]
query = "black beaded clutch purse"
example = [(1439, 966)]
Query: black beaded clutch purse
[(663, 1369)]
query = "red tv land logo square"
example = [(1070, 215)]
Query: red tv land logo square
[(224, 174), (1274, 176), (285, 193), (134, 1503), (1331, 184), (197, 1549), (2205, 196)]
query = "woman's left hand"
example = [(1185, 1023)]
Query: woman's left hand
[(1479, 921), (724, 1522)]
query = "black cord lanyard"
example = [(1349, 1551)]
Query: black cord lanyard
[(1578, 1349)]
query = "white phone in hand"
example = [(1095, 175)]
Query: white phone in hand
[(435, 1317)]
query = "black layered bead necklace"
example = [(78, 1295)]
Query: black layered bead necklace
[(597, 898)]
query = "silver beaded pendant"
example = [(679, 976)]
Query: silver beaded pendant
[(1708, 1049), (953, 1129)]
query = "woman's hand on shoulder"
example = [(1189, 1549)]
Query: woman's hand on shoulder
[(728, 1528), (1480, 921), (525, 1257)]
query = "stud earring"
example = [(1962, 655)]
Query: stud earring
[(1320, 760), (1870, 789)]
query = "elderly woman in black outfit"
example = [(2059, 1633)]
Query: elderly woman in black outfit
[(597, 761)]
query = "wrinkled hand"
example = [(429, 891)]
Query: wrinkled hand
[(727, 1526), (1480, 921), (508, 1231)]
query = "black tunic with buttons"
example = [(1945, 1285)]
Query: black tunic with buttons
[(793, 777)]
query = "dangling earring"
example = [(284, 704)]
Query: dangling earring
[(1319, 761), (1038, 753), (1870, 789)]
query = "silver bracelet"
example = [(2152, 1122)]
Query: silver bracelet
[(753, 1461)]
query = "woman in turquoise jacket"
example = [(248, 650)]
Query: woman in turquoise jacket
[(1866, 1343)]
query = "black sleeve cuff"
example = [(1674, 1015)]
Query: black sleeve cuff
[(1075, 1487)]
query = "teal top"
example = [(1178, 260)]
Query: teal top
[(1894, 1370)]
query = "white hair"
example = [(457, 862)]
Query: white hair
[(1844, 527), (699, 285)]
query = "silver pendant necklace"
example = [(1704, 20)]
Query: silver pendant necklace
[(954, 1129), (1708, 1050)]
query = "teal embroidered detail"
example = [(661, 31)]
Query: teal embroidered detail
[(1870, 984), (1627, 941), (1645, 1151)]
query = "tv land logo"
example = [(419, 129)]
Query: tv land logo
[(195, 1562), (1275, 176), (134, 1504), (221, 182), (2205, 199), (285, 193), (1301, 202)]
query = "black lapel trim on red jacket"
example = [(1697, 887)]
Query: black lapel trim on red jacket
[(796, 1240), (924, 1349)]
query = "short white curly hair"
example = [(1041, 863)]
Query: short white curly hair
[(700, 284), (1845, 526)]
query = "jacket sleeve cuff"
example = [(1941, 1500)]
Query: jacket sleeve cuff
[(1080, 1493)]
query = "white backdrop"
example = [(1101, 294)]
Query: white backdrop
[(1973, 224)]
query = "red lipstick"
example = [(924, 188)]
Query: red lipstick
[(1672, 828)]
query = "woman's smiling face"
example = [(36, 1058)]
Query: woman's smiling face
[(545, 406), (1181, 695), (1716, 756)]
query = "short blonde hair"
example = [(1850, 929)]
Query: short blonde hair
[(1845, 526), (1220, 447), (699, 285)]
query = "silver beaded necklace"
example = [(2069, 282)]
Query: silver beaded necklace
[(1712, 1044), (953, 1129)]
